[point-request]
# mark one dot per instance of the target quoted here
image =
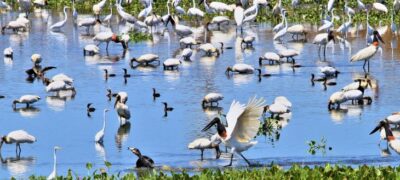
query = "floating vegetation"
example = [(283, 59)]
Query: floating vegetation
[(315, 147), (270, 128)]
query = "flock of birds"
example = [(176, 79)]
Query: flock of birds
[(242, 120)]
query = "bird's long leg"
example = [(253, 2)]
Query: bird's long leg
[(324, 51), (365, 62), (19, 147), (202, 150), (247, 161), (107, 46), (230, 164), (368, 65), (319, 49)]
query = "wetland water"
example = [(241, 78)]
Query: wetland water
[(62, 120)]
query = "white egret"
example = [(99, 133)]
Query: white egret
[(239, 16), (100, 135), (57, 26), (53, 174)]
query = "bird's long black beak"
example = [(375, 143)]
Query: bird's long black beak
[(376, 128), (209, 125), (380, 38)]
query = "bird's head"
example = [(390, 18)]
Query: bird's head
[(135, 151), (106, 110), (266, 108), (216, 120), (377, 37), (14, 104), (331, 37), (133, 60), (56, 148), (379, 126), (228, 69), (98, 21), (88, 105)]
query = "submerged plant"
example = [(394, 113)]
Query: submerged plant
[(315, 147)]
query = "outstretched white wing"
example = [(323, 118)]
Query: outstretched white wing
[(247, 124), (232, 117)]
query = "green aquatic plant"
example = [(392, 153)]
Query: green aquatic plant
[(315, 147), (139, 36), (270, 128)]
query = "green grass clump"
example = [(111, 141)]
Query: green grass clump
[(275, 172)]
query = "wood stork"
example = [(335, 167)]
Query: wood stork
[(355, 85), (145, 59), (367, 53), (209, 49), (357, 96), (288, 54), (243, 123), (26, 99), (98, 7), (211, 98), (205, 143), (14, 26), (216, 7), (336, 98), (218, 20), (188, 42), (322, 40), (248, 41), (186, 54), (283, 31), (181, 30), (195, 12), (91, 50), (284, 101), (88, 22), (297, 30), (329, 71), (271, 57), (143, 161), (276, 110), (240, 68), (53, 174), (55, 86), (171, 64), (380, 7), (18, 137), (98, 138), (8, 52), (57, 26), (122, 109)]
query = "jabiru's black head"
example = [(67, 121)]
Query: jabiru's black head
[(331, 37), (377, 37), (379, 126)]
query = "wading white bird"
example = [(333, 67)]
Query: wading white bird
[(205, 143), (297, 30), (8, 52), (53, 174), (145, 59), (26, 99), (100, 135), (62, 77), (171, 64), (88, 22), (57, 26), (240, 68), (186, 54), (276, 109), (91, 50), (126, 16), (393, 142), (284, 101), (188, 42), (216, 7), (181, 30), (209, 49), (239, 16), (15, 26), (380, 7), (337, 98), (55, 86), (367, 53), (211, 98), (122, 109), (271, 57), (107, 37), (243, 123), (283, 31), (18, 137), (98, 7), (195, 12), (322, 40)]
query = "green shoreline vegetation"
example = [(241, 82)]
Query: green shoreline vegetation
[(309, 11), (274, 172)]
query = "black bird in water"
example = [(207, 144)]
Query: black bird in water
[(155, 94), (89, 109), (110, 94), (166, 108), (126, 75), (107, 75), (143, 161)]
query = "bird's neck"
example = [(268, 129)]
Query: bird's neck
[(221, 130), (55, 163)]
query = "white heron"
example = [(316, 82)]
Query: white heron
[(126, 16), (57, 26), (18, 137), (240, 68), (26, 99), (367, 53), (283, 31), (243, 123), (322, 40), (211, 98), (98, 7), (53, 174), (146, 11), (195, 12), (239, 16), (100, 135)]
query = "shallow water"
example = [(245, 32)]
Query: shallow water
[(62, 121)]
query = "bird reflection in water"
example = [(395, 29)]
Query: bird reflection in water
[(100, 150), (27, 111), (122, 134), (57, 102), (17, 166)]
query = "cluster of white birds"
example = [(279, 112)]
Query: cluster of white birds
[(243, 121)]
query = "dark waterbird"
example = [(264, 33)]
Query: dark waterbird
[(143, 161)]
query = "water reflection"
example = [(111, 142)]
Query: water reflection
[(100, 150), (28, 111), (122, 134), (18, 166)]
